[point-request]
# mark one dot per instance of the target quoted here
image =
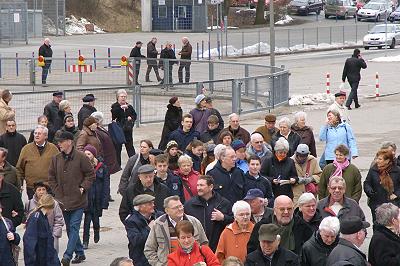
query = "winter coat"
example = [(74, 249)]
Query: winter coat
[(121, 116), (135, 52), (347, 252), (151, 53), (239, 133), (87, 136), (10, 198), (221, 123), (198, 254), (265, 153), (305, 229), (183, 138), (85, 111), (200, 117), (75, 131), (334, 136), (242, 165), (10, 175), (351, 175), (6, 256), (315, 252), (190, 181), (33, 166), (186, 52), (196, 160), (201, 209), (13, 142), (39, 242), (384, 247), (160, 193), (173, 183), (314, 172), (262, 184), (167, 54), (172, 121), (55, 119), (67, 174), (55, 218), (109, 153), (352, 68), (342, 109), (210, 136), (267, 135), (375, 191), (229, 184), (281, 257), (294, 140), (271, 168), (307, 137), (158, 243), (350, 208), (233, 241), (6, 113), (46, 52), (99, 193)]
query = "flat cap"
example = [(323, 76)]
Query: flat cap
[(352, 225), (58, 93), (142, 199), (65, 136), (268, 232), (138, 42), (88, 98), (145, 169), (340, 93)]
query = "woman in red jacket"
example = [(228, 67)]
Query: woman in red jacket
[(188, 176), (189, 251)]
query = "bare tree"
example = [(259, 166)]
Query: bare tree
[(260, 19)]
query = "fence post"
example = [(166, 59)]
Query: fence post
[(246, 81), (32, 71), (166, 72), (236, 88), (303, 37), (356, 32), (242, 42), (197, 50), (255, 93), (65, 61), (16, 64), (343, 33), (288, 38), (1, 76), (199, 88), (137, 101), (211, 75), (109, 56), (94, 59), (273, 91), (330, 35), (317, 36), (202, 49), (259, 40)]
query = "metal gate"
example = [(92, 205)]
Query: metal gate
[(13, 22), (52, 14)]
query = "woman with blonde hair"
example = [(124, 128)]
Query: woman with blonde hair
[(38, 238)]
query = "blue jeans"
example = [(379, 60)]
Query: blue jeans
[(73, 221), (45, 71)]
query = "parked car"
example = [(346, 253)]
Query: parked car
[(340, 8), (379, 37), (374, 11), (395, 15), (304, 7)]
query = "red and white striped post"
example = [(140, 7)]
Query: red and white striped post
[(328, 83), (376, 85)]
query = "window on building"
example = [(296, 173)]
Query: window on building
[(162, 11), (181, 11)]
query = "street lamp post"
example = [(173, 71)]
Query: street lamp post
[(271, 34)]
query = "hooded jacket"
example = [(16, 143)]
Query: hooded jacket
[(315, 251), (172, 121)]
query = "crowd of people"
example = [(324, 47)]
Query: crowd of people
[(210, 194)]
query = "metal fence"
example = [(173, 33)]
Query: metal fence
[(13, 22), (235, 87), (51, 16)]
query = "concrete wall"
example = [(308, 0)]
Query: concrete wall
[(146, 15)]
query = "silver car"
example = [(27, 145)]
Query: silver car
[(379, 37), (374, 11)]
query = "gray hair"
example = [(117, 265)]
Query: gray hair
[(330, 224), (120, 260), (218, 150), (99, 116), (385, 213), (4, 150), (281, 145), (223, 152), (255, 136), (305, 198), (284, 120), (63, 105), (170, 198), (44, 129), (184, 158), (387, 144), (121, 91), (299, 115), (336, 179), (232, 116), (240, 205), (232, 261)]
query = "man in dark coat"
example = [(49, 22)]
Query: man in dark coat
[(55, 117), (137, 54), (212, 133), (166, 176), (87, 109), (167, 53), (269, 250), (10, 199), (152, 64), (236, 130), (9, 171), (351, 71), (229, 180), (185, 134), (13, 142), (185, 53), (353, 233), (213, 211), (8, 236), (146, 184), (46, 51), (137, 226)]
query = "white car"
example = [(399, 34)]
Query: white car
[(374, 11), (379, 37)]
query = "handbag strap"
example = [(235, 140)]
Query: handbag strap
[(202, 254), (187, 188), (5, 224), (308, 168)]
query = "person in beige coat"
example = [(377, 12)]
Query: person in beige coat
[(163, 239), (308, 171), (6, 112)]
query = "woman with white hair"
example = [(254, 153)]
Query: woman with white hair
[(305, 132), (280, 170), (188, 176), (285, 132), (234, 238), (317, 249)]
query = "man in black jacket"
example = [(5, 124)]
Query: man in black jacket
[(212, 210), (185, 53), (46, 51), (351, 70), (55, 117), (152, 64), (147, 184), (87, 109), (167, 53), (137, 54), (13, 141), (10, 199)]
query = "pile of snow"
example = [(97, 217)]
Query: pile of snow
[(311, 99), (75, 26), (286, 20), (386, 59)]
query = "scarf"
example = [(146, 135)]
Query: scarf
[(280, 157), (286, 233), (340, 167), (385, 179), (187, 250)]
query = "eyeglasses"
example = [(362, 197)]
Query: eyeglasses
[(258, 142), (290, 209), (178, 207), (336, 188), (244, 214)]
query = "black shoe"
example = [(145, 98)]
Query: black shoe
[(85, 245), (148, 80), (358, 106), (111, 199), (65, 262), (96, 236), (348, 107), (78, 259)]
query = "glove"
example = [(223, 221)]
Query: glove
[(305, 180)]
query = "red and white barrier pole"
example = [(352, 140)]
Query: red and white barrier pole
[(376, 85), (328, 83)]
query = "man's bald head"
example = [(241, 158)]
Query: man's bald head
[(283, 209)]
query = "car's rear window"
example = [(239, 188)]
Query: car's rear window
[(335, 2)]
